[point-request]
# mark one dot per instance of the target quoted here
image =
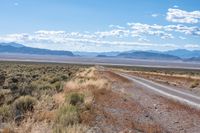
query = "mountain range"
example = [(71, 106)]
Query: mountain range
[(148, 55), (178, 54), (21, 49)]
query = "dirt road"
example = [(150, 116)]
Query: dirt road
[(180, 95)]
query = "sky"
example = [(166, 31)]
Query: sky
[(101, 25)]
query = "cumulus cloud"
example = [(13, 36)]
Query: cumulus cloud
[(181, 16), (114, 33), (155, 30), (133, 35), (163, 31)]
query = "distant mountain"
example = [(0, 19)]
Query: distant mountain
[(21, 49), (182, 53), (95, 54), (196, 59), (12, 44), (148, 55), (101, 56)]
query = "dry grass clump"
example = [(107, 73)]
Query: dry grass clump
[(68, 116)]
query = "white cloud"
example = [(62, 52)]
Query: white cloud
[(175, 6), (70, 41), (114, 33), (155, 15), (134, 35), (181, 16), (116, 26), (192, 46), (154, 30), (192, 30)]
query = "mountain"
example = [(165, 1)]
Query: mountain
[(182, 53), (148, 55), (196, 59), (101, 56), (12, 44), (21, 49), (95, 54)]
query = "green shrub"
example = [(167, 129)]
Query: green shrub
[(67, 115), (74, 98), (23, 104)]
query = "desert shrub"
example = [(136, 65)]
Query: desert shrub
[(23, 104), (5, 112), (67, 115), (13, 87), (74, 98), (64, 77), (2, 79), (2, 98), (58, 86), (54, 80)]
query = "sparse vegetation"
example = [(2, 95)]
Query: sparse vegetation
[(29, 87), (68, 99)]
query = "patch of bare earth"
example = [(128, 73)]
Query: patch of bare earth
[(113, 111), (171, 115)]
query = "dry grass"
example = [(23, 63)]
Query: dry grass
[(78, 99), (76, 128)]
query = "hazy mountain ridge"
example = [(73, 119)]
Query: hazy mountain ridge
[(148, 55), (183, 53), (178, 54), (19, 48)]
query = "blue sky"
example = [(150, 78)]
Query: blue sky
[(101, 25)]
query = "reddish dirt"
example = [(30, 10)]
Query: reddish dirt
[(113, 111), (118, 113), (136, 110)]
